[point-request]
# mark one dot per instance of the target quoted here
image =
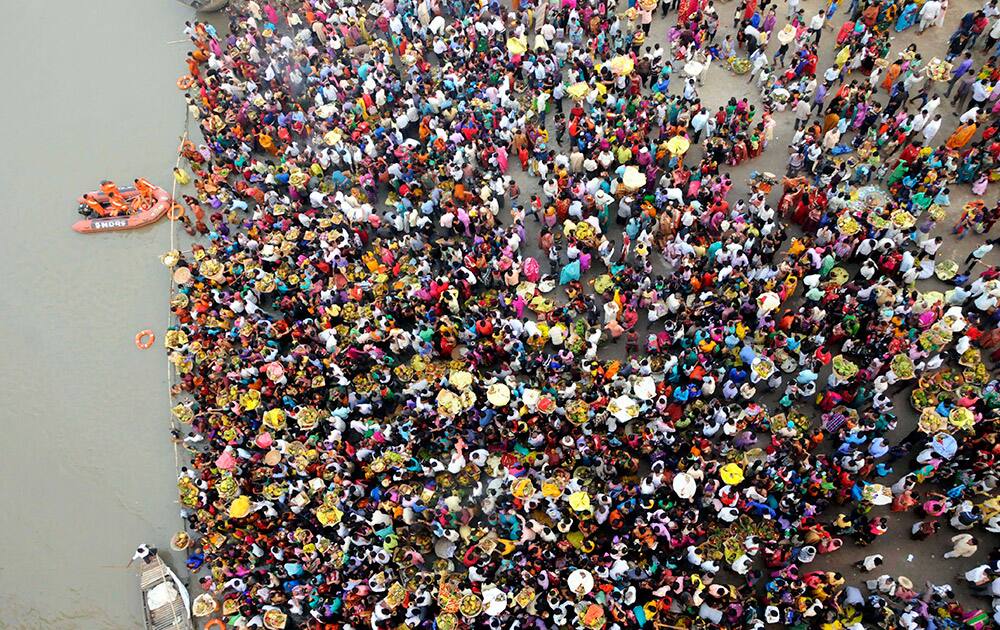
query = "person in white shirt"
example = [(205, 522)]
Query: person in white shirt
[(970, 115), (976, 255), (802, 110), (759, 59), (986, 302), (931, 246), (993, 35), (793, 7), (931, 128), (698, 123), (932, 105), (929, 14), (869, 563), (816, 26)]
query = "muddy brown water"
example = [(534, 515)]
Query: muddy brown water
[(88, 467)]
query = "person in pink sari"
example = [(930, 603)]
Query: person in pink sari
[(502, 159)]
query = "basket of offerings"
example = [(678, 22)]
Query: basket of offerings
[(741, 65), (844, 368), (902, 367)]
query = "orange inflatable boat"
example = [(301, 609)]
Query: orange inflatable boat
[(111, 208)]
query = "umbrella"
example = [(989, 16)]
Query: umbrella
[(877, 494), (623, 408), (494, 601), (768, 301), (944, 444), (621, 65), (732, 474), (239, 507), (644, 388), (580, 582), (633, 179), (498, 394), (693, 68), (678, 145), (579, 501), (517, 46), (578, 90), (684, 485)]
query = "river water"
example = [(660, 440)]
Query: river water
[(88, 467)]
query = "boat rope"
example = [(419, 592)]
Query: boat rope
[(175, 427)]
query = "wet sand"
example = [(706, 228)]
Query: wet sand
[(86, 454), (87, 460)]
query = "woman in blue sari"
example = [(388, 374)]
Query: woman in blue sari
[(907, 18)]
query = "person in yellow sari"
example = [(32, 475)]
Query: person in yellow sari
[(891, 75), (830, 121), (961, 136)]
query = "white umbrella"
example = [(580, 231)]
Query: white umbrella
[(580, 582), (768, 301), (494, 601), (633, 179), (693, 68), (684, 485), (644, 388), (498, 394), (623, 408), (944, 444)]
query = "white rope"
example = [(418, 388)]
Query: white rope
[(174, 425)]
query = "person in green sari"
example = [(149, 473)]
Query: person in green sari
[(897, 174)]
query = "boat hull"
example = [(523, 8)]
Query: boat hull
[(174, 614), (133, 221), (205, 6)]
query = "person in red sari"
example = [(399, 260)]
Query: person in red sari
[(687, 8), (817, 207)]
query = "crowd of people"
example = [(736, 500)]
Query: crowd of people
[(625, 396)]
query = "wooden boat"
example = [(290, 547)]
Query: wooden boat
[(99, 222), (205, 5), (166, 604)]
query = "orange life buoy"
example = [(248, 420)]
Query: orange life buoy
[(144, 340), (185, 81), (175, 212), (214, 624)]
